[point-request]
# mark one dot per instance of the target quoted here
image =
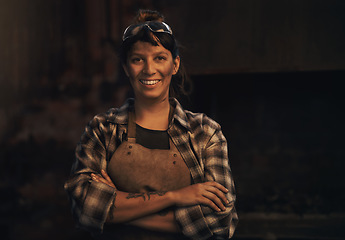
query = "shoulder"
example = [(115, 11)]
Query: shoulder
[(102, 126), (195, 122), (200, 121), (113, 115), (205, 130)]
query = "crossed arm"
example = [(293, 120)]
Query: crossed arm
[(150, 210)]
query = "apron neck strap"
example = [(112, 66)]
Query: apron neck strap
[(131, 126)]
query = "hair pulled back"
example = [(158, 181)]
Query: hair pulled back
[(148, 15), (180, 83)]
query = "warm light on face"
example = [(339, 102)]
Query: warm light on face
[(150, 69)]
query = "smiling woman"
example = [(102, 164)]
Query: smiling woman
[(150, 169), (150, 69)]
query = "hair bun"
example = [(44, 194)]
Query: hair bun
[(148, 15)]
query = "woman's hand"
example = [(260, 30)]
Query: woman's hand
[(104, 179), (211, 194)]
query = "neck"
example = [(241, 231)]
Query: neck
[(152, 114)]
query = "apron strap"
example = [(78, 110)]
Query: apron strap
[(131, 127)]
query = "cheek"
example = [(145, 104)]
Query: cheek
[(133, 72), (168, 71)]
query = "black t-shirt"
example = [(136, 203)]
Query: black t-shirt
[(152, 139)]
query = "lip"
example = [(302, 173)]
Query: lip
[(149, 82)]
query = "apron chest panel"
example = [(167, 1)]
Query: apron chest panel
[(134, 168)]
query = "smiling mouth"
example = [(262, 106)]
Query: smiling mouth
[(149, 82)]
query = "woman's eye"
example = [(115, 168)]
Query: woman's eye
[(161, 58), (136, 60)]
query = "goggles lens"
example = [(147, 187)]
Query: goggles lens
[(153, 26)]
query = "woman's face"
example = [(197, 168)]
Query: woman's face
[(150, 69)]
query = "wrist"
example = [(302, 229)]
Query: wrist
[(171, 196)]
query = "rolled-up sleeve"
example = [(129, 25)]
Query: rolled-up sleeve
[(202, 222), (90, 200)]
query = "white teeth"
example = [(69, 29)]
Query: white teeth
[(149, 82)]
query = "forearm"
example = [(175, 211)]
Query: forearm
[(132, 206), (140, 208), (162, 221)]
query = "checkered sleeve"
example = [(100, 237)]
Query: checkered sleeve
[(201, 222), (90, 200), (217, 168)]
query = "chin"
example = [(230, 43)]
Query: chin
[(153, 96)]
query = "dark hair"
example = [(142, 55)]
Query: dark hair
[(180, 83)]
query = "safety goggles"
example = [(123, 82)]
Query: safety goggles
[(153, 26)]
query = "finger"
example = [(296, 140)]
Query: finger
[(105, 175), (219, 194), (103, 180), (218, 185), (211, 204), (98, 178), (95, 177), (215, 199)]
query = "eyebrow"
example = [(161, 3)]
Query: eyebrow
[(159, 53), (156, 53)]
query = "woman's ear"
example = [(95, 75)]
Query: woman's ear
[(176, 64)]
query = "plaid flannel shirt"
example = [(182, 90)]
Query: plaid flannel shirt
[(202, 145)]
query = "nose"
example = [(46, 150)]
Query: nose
[(149, 68)]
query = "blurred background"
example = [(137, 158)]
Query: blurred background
[(271, 72)]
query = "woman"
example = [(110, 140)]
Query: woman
[(150, 169)]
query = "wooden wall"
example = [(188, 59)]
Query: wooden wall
[(232, 36), (260, 35)]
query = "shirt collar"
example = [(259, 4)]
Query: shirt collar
[(179, 114), (120, 115)]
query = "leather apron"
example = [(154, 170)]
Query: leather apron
[(136, 169)]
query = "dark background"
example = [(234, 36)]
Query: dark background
[(270, 72)]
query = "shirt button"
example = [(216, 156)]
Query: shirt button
[(130, 146), (175, 155)]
